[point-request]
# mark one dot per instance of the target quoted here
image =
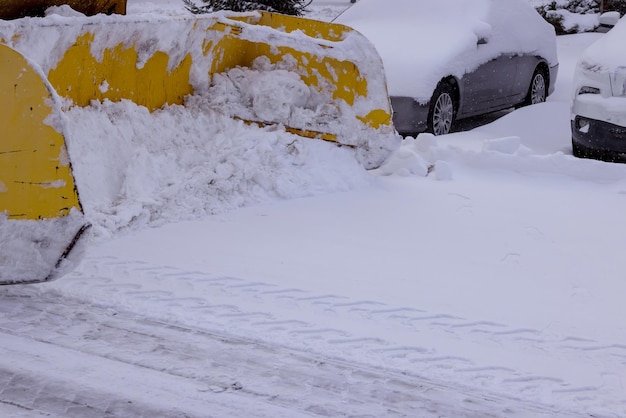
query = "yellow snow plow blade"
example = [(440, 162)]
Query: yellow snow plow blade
[(13, 9), (333, 87), (120, 58), (40, 214)]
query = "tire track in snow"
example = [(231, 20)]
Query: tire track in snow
[(324, 324), (62, 357)]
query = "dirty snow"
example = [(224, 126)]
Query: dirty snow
[(476, 274)]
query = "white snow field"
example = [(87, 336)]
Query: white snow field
[(236, 271)]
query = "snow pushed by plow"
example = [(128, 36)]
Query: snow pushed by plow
[(186, 162)]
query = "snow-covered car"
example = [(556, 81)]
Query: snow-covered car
[(451, 59), (598, 117)]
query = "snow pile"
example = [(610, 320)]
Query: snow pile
[(134, 168), (276, 93), (273, 93)]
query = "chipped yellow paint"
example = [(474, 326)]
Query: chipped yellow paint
[(82, 78), (35, 173), (376, 118)]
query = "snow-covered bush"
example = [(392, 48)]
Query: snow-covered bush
[(570, 16), (289, 7)]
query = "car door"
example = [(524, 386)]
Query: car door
[(489, 87)]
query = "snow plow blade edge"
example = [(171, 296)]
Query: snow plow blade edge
[(41, 219)]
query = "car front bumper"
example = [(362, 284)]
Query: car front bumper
[(598, 139), (554, 72), (409, 116), (598, 126)]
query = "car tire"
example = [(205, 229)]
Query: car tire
[(442, 110), (538, 89)]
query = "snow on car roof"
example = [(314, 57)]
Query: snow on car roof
[(609, 52), (422, 41)]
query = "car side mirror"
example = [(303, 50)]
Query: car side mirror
[(482, 31), (608, 20)]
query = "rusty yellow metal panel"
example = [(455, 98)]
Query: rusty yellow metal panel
[(35, 175)]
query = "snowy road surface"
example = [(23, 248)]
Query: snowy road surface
[(124, 365)]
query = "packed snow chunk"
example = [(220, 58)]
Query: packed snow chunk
[(425, 143), (443, 170), (404, 162), (274, 96), (272, 93)]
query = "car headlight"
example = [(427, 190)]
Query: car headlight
[(618, 82), (589, 90), (582, 124)]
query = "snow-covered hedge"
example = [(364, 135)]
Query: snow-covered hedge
[(570, 16)]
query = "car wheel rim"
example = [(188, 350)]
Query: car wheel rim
[(538, 93), (442, 114)]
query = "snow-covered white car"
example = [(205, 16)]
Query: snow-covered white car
[(599, 103), (450, 59)]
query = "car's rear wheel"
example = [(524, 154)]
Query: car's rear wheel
[(442, 110), (538, 90)]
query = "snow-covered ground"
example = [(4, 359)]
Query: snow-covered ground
[(473, 275)]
